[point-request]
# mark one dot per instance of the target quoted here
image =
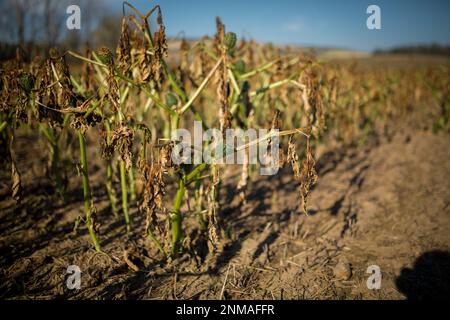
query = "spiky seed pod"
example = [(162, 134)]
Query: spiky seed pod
[(123, 49)]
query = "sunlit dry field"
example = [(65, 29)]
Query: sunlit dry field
[(87, 177)]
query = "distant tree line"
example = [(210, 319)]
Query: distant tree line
[(432, 49), (34, 26)]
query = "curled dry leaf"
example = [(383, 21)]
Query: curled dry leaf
[(124, 48), (122, 141), (154, 191), (160, 48), (307, 176)]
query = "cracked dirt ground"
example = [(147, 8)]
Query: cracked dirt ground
[(384, 204)]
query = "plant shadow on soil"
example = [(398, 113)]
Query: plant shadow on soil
[(428, 279), (37, 237)]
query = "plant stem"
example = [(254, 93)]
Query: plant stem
[(123, 184), (156, 241), (201, 87), (132, 184), (3, 125), (56, 168), (52, 139), (87, 192), (175, 218), (195, 172), (109, 187), (109, 173)]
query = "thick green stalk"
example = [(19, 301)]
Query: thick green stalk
[(87, 192), (3, 125), (156, 241), (123, 184), (109, 187), (109, 173), (52, 139), (175, 218), (198, 169), (198, 206), (56, 158), (132, 184)]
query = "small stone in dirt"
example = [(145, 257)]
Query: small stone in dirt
[(343, 270)]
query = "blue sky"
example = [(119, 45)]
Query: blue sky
[(335, 23)]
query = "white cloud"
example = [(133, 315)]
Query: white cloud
[(294, 25)]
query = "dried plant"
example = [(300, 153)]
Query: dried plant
[(254, 86)]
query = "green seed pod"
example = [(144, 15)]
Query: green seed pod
[(105, 55), (26, 82), (171, 99), (240, 66), (230, 40)]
